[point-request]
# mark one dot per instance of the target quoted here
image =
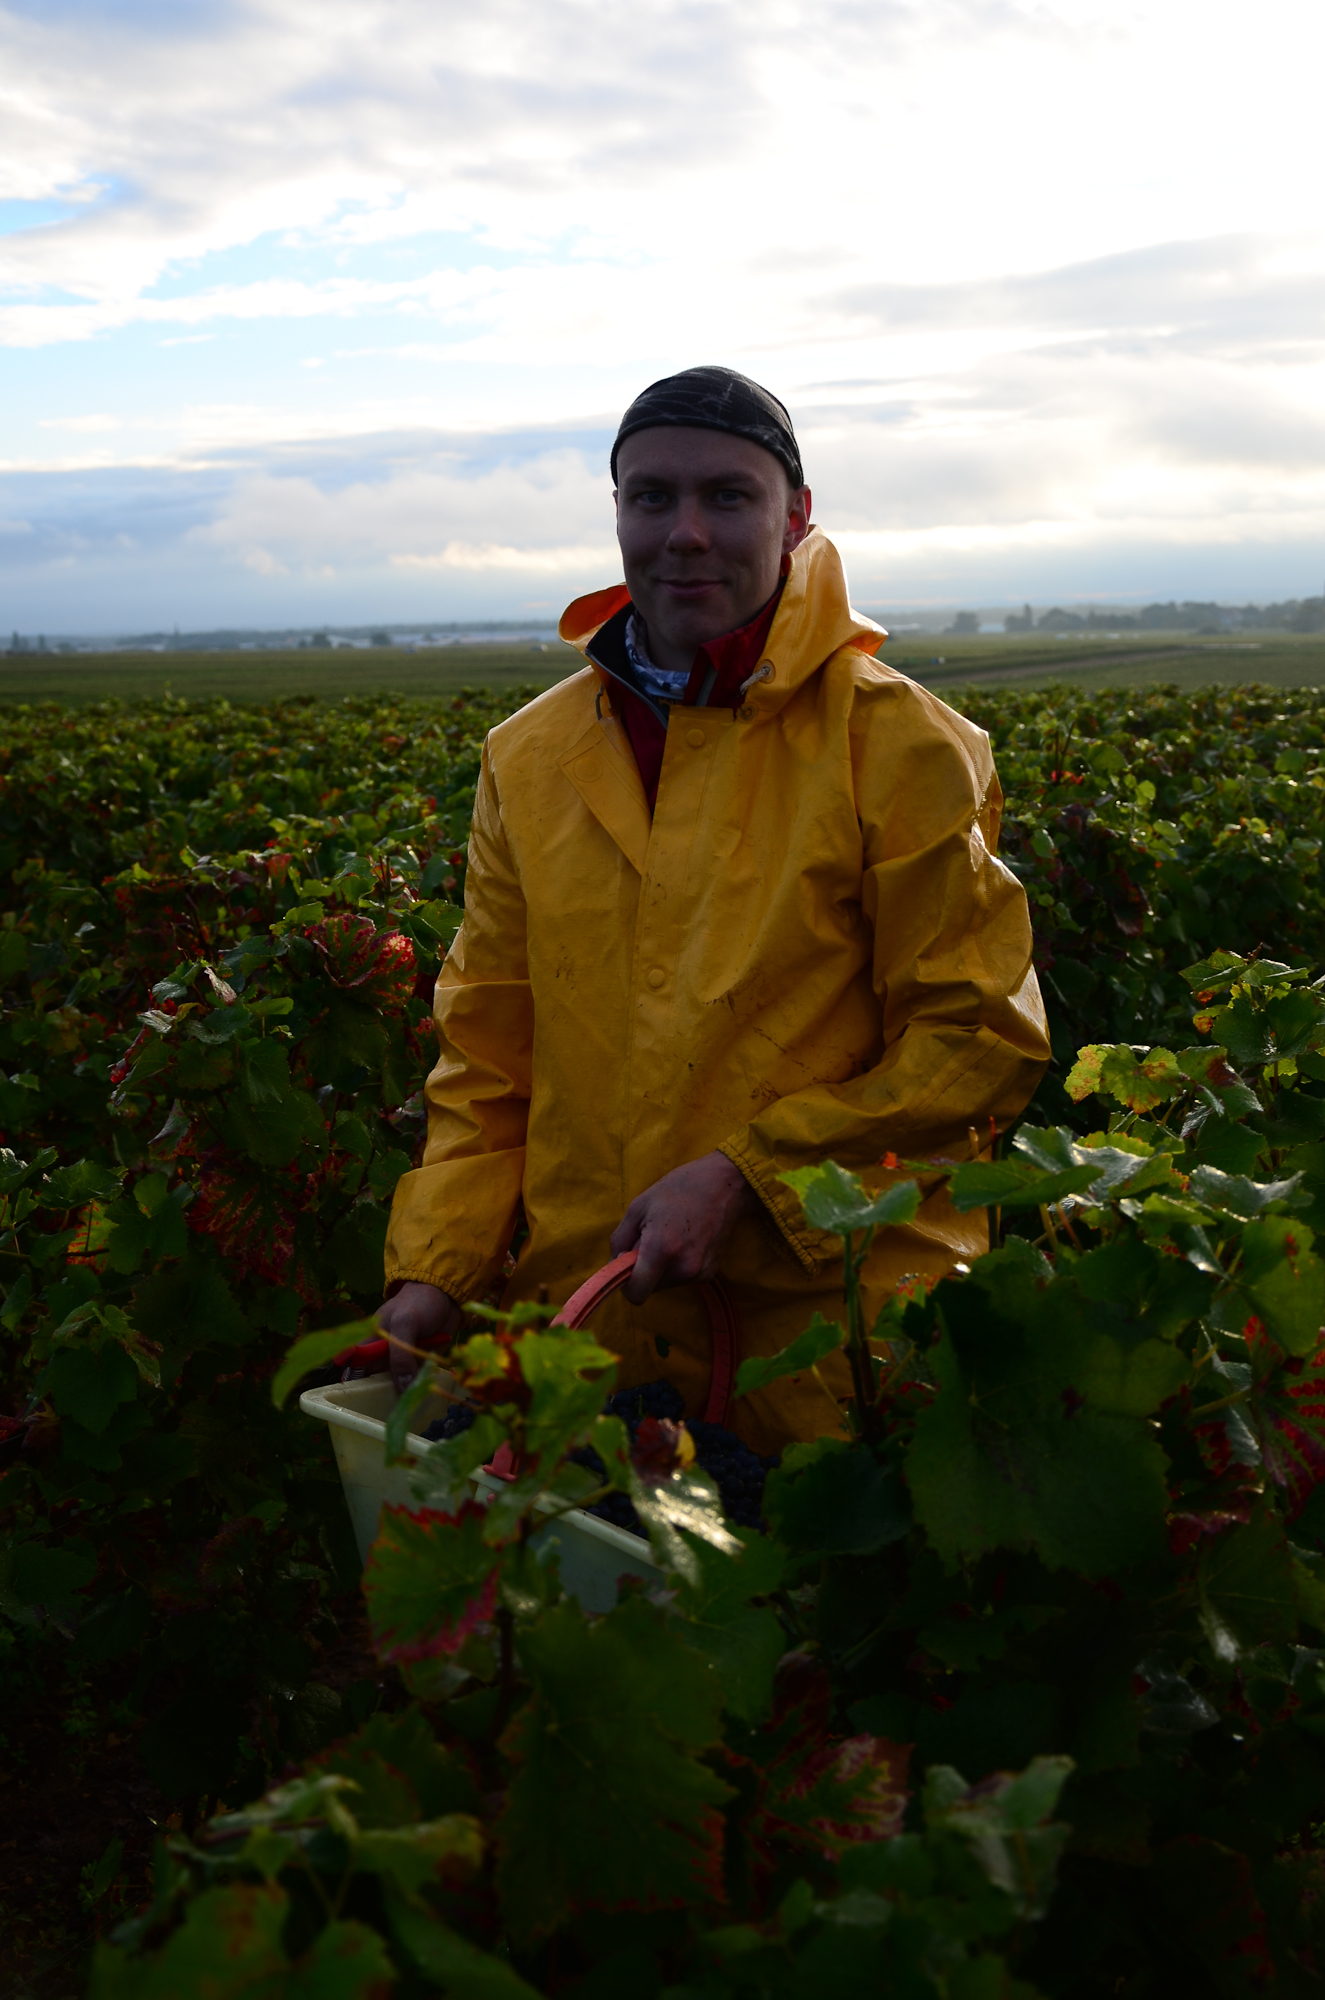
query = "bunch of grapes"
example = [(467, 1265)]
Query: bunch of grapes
[(736, 1471), (458, 1418)]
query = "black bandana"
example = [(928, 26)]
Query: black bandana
[(715, 399)]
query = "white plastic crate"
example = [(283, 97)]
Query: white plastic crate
[(593, 1553)]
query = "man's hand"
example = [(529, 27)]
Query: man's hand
[(682, 1223), (417, 1314)]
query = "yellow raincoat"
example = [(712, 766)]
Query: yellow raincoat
[(810, 952)]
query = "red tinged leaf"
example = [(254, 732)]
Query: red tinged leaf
[(1192, 1522), (821, 1789), (860, 1784), (379, 966), (430, 1582), (1290, 1419)]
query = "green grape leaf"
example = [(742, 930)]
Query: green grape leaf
[(229, 1946), (40, 1575), (403, 1772), (838, 1201), (15, 1172), (1295, 1021), (314, 1350), (1248, 1594), (75, 1186), (413, 1856), (13, 955), (1164, 1293), (1037, 1436), (1139, 1079), (821, 1337), (843, 1503), (565, 1372), (1245, 1033), (742, 1642), (609, 1804), (89, 1384), (1005, 1822), (431, 1579), (1285, 1280), (1221, 969), (328, 1795), (1016, 1184), (1235, 1195), (403, 1410), (443, 1956), (744, 1654), (687, 1500), (441, 1478)]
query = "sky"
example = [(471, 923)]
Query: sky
[(324, 312)]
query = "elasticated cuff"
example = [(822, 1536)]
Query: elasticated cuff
[(812, 1248)]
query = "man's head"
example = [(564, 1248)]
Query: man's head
[(710, 496)]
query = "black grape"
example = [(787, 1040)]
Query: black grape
[(458, 1418)]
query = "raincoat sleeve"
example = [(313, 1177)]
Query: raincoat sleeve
[(962, 1026), (452, 1219)]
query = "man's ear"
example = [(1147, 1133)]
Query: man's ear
[(798, 519)]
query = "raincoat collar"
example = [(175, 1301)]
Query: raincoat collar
[(813, 620)]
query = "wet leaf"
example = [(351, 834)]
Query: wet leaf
[(820, 1338), (610, 1805), (838, 1201)]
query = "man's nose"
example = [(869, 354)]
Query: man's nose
[(689, 528)]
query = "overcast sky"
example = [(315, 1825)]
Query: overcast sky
[(326, 309)]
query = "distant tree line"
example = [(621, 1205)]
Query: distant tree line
[(1299, 614), (18, 644)]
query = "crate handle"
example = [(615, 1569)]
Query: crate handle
[(723, 1326)]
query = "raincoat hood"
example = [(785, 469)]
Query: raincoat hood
[(814, 619)]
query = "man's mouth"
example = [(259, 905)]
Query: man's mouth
[(690, 586)]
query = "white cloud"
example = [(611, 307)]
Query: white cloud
[(526, 561), (424, 517), (1034, 275), (95, 422)]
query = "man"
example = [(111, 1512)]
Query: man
[(732, 908)]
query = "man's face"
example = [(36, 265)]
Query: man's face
[(703, 520)]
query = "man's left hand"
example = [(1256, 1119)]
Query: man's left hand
[(681, 1224)]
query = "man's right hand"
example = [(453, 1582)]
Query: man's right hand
[(414, 1317)]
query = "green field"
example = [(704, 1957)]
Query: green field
[(1174, 659), (270, 676), (1272, 659)]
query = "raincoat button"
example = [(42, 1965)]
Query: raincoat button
[(656, 975), (695, 738)]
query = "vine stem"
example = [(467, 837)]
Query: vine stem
[(814, 1370), (505, 1669), (862, 1373), (1224, 1403)]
